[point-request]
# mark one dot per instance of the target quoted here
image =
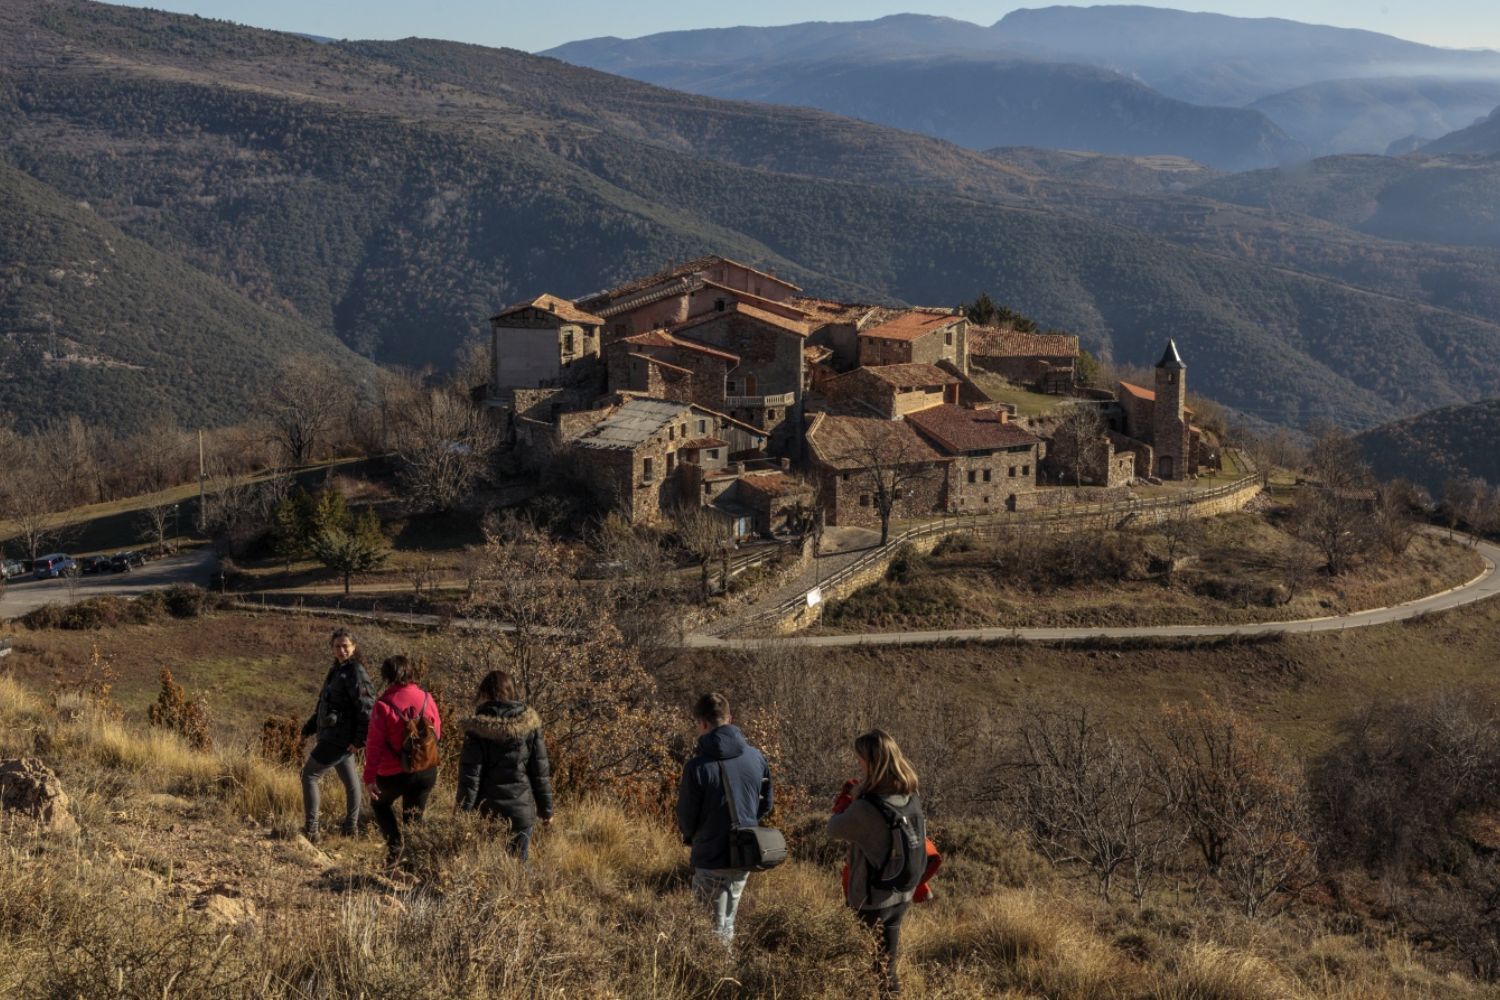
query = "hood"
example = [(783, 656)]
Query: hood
[(502, 726), (724, 743)]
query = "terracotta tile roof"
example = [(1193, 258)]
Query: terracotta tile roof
[(1002, 342), (788, 309), (911, 325), (826, 311), (842, 442), (564, 310), (959, 430), (774, 484), (797, 327), (661, 338), (697, 266), (915, 375), (1138, 392)]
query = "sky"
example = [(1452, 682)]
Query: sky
[(533, 26)]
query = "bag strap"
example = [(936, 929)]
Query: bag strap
[(734, 819)]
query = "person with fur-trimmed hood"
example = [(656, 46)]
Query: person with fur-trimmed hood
[(503, 770)]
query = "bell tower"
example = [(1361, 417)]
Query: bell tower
[(1169, 426)]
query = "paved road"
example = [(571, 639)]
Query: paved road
[(1485, 585), (23, 595)]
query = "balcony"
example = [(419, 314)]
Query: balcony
[(760, 402)]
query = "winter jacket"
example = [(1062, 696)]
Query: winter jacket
[(702, 812), (503, 770), (868, 835), (388, 728), (342, 717)]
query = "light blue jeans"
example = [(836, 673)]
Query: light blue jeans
[(720, 888)]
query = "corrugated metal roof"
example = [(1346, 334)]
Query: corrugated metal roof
[(632, 424)]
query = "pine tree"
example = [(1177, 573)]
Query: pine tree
[(355, 546)]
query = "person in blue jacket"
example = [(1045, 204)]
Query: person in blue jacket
[(724, 765)]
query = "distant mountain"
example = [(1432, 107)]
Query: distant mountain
[(1436, 446), (953, 91), (1218, 59), (1367, 116), (98, 324), (1480, 137), (1437, 200), (395, 193), (1131, 174)]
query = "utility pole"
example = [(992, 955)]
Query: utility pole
[(202, 508)]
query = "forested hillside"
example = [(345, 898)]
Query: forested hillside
[(1480, 137), (395, 193), (1433, 448), (98, 324)]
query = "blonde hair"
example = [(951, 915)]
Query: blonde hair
[(890, 772)]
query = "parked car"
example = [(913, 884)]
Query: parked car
[(93, 564), (11, 568), (119, 562), (53, 566), (134, 558)]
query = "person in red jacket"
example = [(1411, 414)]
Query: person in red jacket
[(385, 776)]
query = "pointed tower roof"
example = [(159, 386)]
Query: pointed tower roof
[(1171, 359)]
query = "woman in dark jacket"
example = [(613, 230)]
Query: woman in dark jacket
[(503, 770), (340, 723)]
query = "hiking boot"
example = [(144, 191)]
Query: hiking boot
[(349, 829), (312, 834)]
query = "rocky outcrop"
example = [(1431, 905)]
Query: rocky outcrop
[(29, 789)]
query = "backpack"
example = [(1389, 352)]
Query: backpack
[(752, 848), (906, 862), (419, 750)]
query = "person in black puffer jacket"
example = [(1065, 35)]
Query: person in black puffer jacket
[(340, 723), (503, 770)]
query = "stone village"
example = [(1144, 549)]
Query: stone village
[(715, 385)]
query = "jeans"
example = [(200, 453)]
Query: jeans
[(326, 757), (413, 791), (720, 888), (888, 923), (520, 842)]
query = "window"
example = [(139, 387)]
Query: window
[(986, 475), (671, 434), (670, 462), (1012, 472), (749, 385), (771, 414), (846, 477), (646, 464), (972, 475), (986, 498), (1025, 470), (568, 343), (682, 429), (864, 499), (713, 453), (731, 388), (703, 427), (948, 338)]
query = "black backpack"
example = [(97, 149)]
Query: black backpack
[(907, 859), (753, 848)]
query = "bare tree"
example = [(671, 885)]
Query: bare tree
[(1333, 513), (705, 536), (1089, 799), (1241, 798), (1078, 441), (443, 444), (29, 503), (646, 584), (302, 401), (1394, 524), (1181, 530), (66, 450), (1464, 499), (893, 463)]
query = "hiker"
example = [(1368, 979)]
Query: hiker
[(401, 760), (340, 724), (723, 764), (503, 770), (880, 817)]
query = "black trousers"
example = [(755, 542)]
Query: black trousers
[(413, 790), (887, 926)]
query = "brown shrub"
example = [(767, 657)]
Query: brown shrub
[(174, 711)]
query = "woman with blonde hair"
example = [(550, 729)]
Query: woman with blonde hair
[(880, 817)]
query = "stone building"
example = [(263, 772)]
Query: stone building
[(994, 463), (633, 456), (1046, 361), (659, 364), (546, 342), (893, 391), (850, 455), (679, 293), (923, 336), (1161, 419)]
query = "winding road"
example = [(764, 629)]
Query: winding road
[(1483, 586)]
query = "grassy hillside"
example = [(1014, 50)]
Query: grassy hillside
[(395, 193), (100, 324), (1433, 447)]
